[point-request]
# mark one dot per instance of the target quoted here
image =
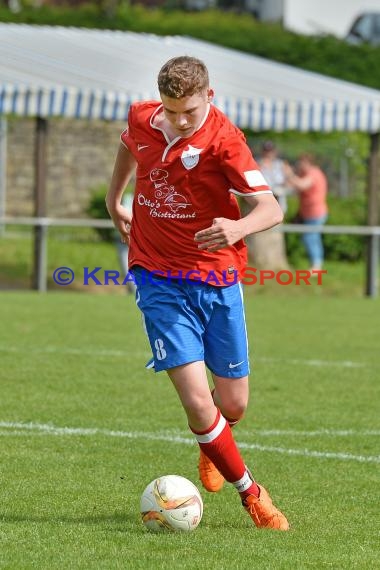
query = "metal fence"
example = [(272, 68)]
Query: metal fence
[(42, 225)]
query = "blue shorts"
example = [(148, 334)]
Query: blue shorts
[(192, 321)]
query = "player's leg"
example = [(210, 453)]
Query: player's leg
[(211, 429), (226, 354), (230, 368), (231, 397), (191, 383)]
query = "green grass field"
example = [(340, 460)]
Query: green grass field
[(84, 427)]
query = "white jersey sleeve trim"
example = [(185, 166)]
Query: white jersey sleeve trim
[(123, 143)]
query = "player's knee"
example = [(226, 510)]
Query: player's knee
[(199, 412), (234, 409)]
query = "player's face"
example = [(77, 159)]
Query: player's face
[(186, 114)]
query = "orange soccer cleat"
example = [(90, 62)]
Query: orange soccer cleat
[(263, 512), (211, 479)]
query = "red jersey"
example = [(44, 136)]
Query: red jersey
[(181, 186)]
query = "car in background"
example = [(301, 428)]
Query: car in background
[(365, 29)]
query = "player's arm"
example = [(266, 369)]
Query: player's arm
[(123, 171), (265, 213)]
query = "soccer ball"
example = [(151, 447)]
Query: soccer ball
[(171, 503)]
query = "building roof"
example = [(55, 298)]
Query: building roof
[(95, 74)]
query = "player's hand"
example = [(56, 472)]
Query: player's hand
[(122, 219), (222, 233)]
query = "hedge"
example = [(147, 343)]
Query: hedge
[(323, 54)]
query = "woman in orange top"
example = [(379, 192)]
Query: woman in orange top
[(311, 185)]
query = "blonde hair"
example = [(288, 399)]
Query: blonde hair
[(182, 77)]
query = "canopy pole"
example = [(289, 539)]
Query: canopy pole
[(3, 170), (373, 215), (40, 168)]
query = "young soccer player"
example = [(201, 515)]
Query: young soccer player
[(187, 254)]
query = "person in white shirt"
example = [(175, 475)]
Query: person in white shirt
[(273, 170)]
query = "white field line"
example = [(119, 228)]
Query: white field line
[(313, 433), (314, 362), (20, 428), (114, 353)]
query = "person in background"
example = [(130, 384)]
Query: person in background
[(311, 185), (273, 169)]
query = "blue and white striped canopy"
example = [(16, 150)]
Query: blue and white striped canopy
[(95, 74)]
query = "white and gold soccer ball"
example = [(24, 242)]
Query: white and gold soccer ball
[(171, 503)]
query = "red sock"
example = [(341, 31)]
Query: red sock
[(218, 444)]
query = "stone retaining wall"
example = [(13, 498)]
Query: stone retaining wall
[(80, 156)]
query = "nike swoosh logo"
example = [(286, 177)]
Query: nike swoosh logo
[(234, 365), (141, 146)]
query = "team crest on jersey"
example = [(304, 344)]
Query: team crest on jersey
[(190, 157), (166, 192)]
